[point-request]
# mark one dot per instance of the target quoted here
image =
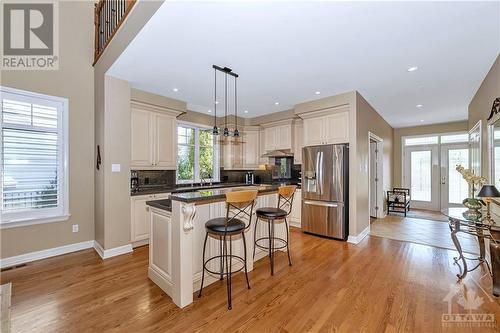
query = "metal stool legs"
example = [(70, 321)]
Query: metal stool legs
[(287, 243), (271, 241), (245, 255), (226, 256)]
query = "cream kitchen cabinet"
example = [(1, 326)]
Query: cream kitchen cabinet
[(295, 214), (153, 137), (326, 127), (262, 147), (139, 217), (251, 148), (232, 153), (278, 136), (298, 142)]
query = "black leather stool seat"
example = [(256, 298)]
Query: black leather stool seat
[(271, 212), (218, 225)]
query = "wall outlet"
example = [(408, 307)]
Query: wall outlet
[(75, 227)]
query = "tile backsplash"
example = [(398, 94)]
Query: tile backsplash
[(156, 177)]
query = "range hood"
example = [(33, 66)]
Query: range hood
[(278, 153)]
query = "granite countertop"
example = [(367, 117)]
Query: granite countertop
[(184, 188), (215, 194), (165, 204), (181, 188)]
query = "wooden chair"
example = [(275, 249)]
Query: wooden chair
[(398, 200)]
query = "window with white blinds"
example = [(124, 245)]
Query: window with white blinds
[(33, 157)]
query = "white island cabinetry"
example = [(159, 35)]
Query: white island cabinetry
[(176, 243)]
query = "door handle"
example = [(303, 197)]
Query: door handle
[(320, 203)]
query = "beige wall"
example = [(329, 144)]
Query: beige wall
[(112, 134), (399, 133), (74, 80), (480, 107), (117, 151), (368, 120)]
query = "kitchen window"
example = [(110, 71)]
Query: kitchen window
[(33, 158), (197, 154)]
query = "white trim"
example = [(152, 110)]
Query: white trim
[(43, 254), (33, 221), (61, 213), (109, 253), (359, 237), (380, 172)]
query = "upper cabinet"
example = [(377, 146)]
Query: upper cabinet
[(330, 126), (242, 153), (278, 135), (298, 141), (251, 155), (154, 137)]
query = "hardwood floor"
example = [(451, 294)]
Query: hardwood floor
[(379, 285), (422, 231)]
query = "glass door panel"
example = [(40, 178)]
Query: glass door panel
[(458, 189), (454, 189), (421, 170), (421, 176)]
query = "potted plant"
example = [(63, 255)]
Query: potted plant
[(473, 204)]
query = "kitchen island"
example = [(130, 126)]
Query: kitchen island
[(176, 238)]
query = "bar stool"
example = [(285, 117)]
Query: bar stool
[(271, 215), (239, 204)]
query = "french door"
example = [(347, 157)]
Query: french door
[(454, 189), (421, 176), (430, 173)]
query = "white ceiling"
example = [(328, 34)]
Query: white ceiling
[(285, 52)]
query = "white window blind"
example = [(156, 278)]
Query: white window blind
[(33, 157)]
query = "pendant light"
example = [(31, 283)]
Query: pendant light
[(226, 130), (236, 133), (227, 71), (215, 130)]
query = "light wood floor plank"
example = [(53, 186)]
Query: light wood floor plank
[(379, 285)]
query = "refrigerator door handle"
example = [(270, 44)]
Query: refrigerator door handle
[(320, 203), (318, 172)]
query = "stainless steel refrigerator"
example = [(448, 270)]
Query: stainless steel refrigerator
[(325, 190)]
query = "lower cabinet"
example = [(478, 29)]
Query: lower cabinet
[(295, 214), (139, 218)]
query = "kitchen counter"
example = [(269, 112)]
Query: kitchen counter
[(214, 194), (184, 188), (165, 204), (177, 235), (181, 188)]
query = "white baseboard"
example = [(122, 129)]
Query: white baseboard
[(140, 243), (109, 253), (358, 238), (43, 254)]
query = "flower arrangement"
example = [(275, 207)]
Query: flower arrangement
[(474, 205), (471, 179)]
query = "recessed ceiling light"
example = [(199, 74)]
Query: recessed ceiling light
[(175, 89), (276, 103), (317, 92), (421, 120), (412, 69), (246, 111), (419, 106), (209, 111), (216, 102)]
